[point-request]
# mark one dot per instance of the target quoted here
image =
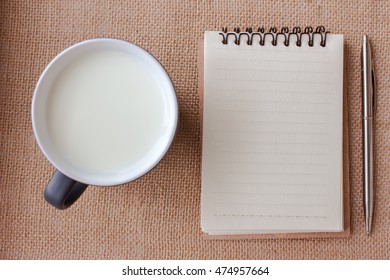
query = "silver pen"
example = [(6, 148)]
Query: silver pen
[(369, 106)]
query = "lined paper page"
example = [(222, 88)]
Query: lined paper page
[(272, 137)]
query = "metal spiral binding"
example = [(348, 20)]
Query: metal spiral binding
[(260, 35)]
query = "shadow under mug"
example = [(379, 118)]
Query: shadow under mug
[(141, 105)]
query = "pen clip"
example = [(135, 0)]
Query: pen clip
[(373, 83)]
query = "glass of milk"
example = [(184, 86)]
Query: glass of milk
[(104, 113)]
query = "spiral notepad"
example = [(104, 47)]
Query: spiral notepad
[(272, 132)]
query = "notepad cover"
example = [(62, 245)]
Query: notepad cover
[(273, 156)]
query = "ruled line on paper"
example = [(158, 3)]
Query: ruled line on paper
[(266, 184), (270, 111), (262, 101), (271, 127), (263, 167), (255, 149), (270, 158), (274, 132), (244, 60), (257, 172), (312, 185), (305, 82), (231, 70), (301, 188), (273, 194), (269, 91), (270, 121), (271, 163), (311, 123), (273, 142), (297, 184), (239, 150), (275, 110), (271, 216), (270, 138), (273, 204), (270, 152)]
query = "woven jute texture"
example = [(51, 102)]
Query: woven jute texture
[(157, 216)]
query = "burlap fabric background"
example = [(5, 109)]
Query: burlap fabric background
[(157, 217)]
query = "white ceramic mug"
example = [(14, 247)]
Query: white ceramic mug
[(104, 113)]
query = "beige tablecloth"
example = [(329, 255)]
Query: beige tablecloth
[(157, 216)]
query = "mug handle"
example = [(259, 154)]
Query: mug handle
[(62, 191)]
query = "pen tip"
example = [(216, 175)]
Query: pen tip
[(368, 225), (365, 39)]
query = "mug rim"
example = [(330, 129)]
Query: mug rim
[(109, 180)]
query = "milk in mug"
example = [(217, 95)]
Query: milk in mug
[(106, 112)]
